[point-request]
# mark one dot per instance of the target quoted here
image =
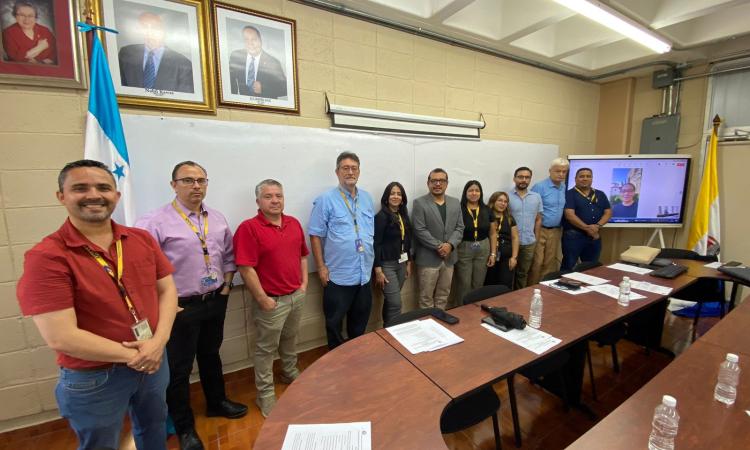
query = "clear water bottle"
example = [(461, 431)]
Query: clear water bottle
[(535, 314), (664, 425), (729, 376), (624, 298)]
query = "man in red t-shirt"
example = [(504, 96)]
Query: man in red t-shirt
[(103, 298), (271, 255)]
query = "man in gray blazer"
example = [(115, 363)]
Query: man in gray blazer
[(438, 229)]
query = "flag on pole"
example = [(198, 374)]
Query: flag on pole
[(105, 140), (705, 227)]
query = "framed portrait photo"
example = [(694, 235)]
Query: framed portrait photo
[(161, 58), (40, 44), (256, 59)]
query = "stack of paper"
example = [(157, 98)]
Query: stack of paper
[(629, 268), (650, 287), (583, 278), (553, 284), (334, 436), (531, 339), (423, 336), (614, 291)]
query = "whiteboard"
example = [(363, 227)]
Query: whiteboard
[(239, 155)]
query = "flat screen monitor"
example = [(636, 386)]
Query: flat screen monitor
[(643, 190)]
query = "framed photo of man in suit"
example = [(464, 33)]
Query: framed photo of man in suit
[(161, 56), (40, 45), (256, 59)]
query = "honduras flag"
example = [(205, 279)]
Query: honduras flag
[(105, 140)]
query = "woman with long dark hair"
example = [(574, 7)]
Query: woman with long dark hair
[(507, 242), (392, 248), (476, 252)]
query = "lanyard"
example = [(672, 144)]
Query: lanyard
[(591, 200), (475, 220), (202, 238), (352, 212), (116, 278), (403, 230)]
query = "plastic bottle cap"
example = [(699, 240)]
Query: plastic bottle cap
[(537, 291), (669, 401), (625, 278), (731, 357)]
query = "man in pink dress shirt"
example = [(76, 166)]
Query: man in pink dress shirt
[(198, 242)]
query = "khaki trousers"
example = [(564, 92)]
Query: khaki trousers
[(434, 285), (546, 255)]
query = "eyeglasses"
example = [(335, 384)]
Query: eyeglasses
[(26, 16), (438, 181), (188, 181), (352, 169)]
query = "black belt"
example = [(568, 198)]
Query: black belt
[(199, 297), (551, 228), (282, 295)]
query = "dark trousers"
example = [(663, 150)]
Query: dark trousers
[(500, 273), (354, 302), (197, 332), (577, 244)]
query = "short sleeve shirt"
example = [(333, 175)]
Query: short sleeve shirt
[(589, 209), (553, 202), (525, 210)]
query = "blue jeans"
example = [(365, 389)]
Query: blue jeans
[(577, 244), (95, 402)]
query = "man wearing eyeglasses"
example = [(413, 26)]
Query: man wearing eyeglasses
[(438, 229), (342, 232), (198, 242)]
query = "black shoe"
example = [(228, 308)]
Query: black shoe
[(190, 441), (228, 409)]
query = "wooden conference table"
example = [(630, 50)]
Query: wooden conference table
[(373, 378), (690, 378)]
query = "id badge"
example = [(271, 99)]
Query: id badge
[(403, 258), (142, 330), (475, 246), (360, 246), (210, 280)]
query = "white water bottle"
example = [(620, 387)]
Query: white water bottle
[(664, 426), (535, 314), (729, 376), (624, 298)]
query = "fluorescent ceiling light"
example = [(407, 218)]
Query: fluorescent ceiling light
[(615, 21)]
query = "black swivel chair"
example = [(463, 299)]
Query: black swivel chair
[(704, 290), (469, 410)]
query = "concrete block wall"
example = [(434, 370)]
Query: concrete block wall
[(357, 64)]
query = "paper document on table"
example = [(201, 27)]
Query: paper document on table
[(551, 283), (531, 339), (614, 291), (329, 436), (714, 265), (650, 287), (630, 268), (583, 278), (423, 336)]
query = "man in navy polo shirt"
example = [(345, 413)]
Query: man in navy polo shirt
[(271, 254), (586, 211)]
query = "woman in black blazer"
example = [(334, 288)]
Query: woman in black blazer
[(392, 248)]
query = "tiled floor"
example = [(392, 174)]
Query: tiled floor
[(544, 423)]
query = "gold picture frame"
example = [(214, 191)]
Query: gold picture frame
[(256, 59), (160, 48), (61, 64)]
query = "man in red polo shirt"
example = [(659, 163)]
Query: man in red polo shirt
[(271, 255), (103, 298)]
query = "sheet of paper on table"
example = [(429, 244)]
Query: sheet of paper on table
[(551, 283), (583, 278), (329, 436), (714, 265), (531, 339), (630, 268), (423, 336), (614, 291), (650, 287)]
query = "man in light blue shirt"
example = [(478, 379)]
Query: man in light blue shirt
[(526, 208), (342, 229), (547, 252)]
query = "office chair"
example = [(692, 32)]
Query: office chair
[(704, 290), (485, 292), (466, 411), (555, 275), (582, 266)]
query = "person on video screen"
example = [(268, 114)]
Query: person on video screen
[(629, 205)]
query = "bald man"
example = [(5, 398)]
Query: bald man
[(152, 65)]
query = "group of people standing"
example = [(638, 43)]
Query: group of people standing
[(116, 302)]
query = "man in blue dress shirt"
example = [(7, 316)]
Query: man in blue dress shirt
[(526, 208), (552, 190), (586, 211), (342, 229)]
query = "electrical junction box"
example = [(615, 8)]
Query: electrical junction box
[(663, 78), (659, 134)]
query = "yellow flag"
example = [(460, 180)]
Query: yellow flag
[(705, 227)]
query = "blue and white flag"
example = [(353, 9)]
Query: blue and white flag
[(105, 140)]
